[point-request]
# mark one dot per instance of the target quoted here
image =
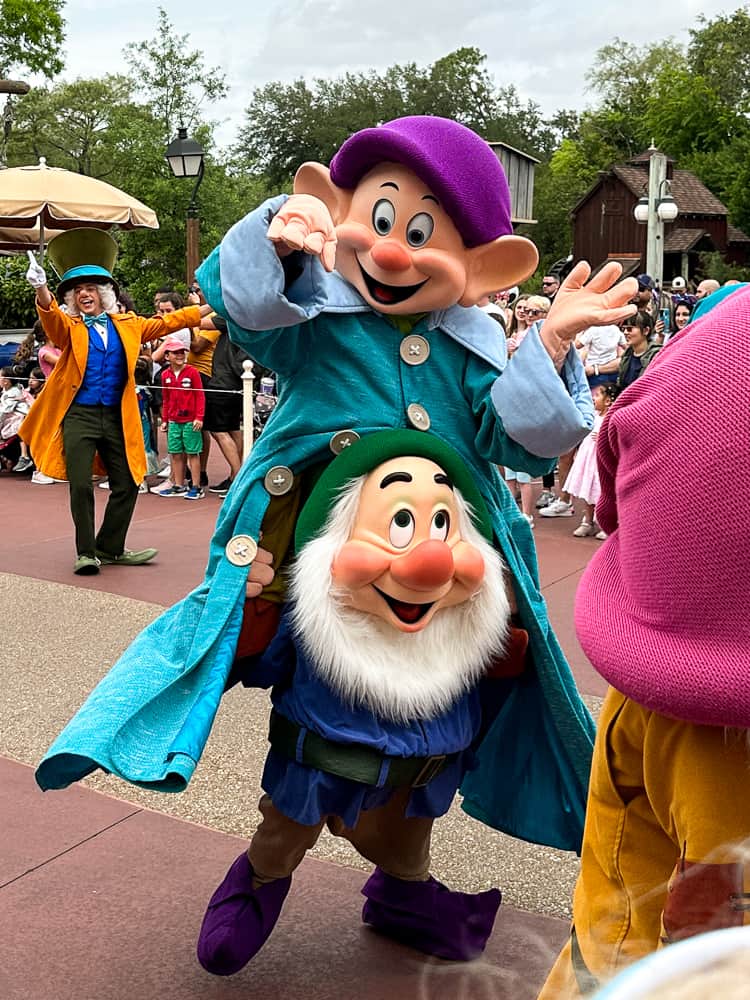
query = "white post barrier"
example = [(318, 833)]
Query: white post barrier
[(248, 379)]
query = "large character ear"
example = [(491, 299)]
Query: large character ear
[(315, 179), (505, 262)]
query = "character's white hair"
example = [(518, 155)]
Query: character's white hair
[(399, 676), (106, 294)]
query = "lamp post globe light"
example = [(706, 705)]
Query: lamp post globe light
[(654, 209), (185, 158)]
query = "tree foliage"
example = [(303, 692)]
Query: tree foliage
[(286, 124), (31, 36), (173, 79)]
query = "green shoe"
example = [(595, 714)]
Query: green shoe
[(86, 566), (127, 558)]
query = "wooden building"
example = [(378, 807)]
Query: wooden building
[(604, 227), (519, 169)]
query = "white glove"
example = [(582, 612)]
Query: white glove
[(35, 274)]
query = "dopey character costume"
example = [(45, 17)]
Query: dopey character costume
[(663, 613), (356, 353)]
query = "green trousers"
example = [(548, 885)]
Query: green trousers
[(86, 431)]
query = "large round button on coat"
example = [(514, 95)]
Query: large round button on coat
[(278, 480), (241, 550), (341, 440), (414, 350), (418, 416)]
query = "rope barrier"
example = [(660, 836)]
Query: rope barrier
[(154, 385)]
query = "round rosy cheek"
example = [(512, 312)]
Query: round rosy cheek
[(469, 565), (358, 564)]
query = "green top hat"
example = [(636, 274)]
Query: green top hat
[(81, 255), (367, 454)]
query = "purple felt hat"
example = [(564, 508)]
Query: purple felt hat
[(663, 609), (457, 165)]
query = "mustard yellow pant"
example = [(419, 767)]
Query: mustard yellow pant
[(665, 843)]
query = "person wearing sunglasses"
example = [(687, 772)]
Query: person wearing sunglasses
[(535, 308), (639, 352), (550, 285)]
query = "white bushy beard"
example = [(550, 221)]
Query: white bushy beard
[(367, 662)]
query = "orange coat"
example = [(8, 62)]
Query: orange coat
[(42, 428)]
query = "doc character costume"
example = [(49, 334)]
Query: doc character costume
[(387, 340), (397, 616)]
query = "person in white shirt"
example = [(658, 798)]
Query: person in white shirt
[(600, 348)]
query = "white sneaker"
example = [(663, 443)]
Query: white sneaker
[(545, 498), (165, 473), (161, 486), (528, 518), (143, 488), (584, 529), (601, 535), (41, 480), (104, 484), (558, 508)]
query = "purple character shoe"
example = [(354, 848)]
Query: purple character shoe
[(239, 919), (430, 917)]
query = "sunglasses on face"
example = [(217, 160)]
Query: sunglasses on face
[(535, 312), (548, 283)]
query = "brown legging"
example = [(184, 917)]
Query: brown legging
[(398, 844)]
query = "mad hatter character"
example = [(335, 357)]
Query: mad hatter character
[(397, 609), (87, 419), (415, 215), (663, 613)]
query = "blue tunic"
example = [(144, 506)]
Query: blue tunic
[(306, 794), (340, 367)]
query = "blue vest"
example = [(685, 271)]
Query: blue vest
[(106, 369)]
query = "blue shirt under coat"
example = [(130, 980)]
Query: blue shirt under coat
[(106, 369)]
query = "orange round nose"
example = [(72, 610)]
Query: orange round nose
[(390, 255), (427, 566)]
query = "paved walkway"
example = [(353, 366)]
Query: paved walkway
[(102, 894)]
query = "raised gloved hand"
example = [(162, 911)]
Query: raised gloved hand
[(304, 223), (35, 274)]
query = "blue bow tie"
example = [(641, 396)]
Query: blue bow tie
[(101, 319)]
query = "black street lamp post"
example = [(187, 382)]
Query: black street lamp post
[(185, 158)]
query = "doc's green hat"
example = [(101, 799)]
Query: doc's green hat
[(370, 451), (83, 255)]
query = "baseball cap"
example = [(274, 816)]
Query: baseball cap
[(678, 283), (173, 344)]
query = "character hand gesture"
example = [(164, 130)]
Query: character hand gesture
[(578, 306), (261, 573), (304, 223), (35, 274)]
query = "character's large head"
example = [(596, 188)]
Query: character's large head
[(422, 213), (399, 595)]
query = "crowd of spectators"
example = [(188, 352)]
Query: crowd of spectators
[(209, 352)]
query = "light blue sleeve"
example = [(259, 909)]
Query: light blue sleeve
[(533, 404), (253, 279)]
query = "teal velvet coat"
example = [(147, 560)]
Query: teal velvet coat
[(339, 368)]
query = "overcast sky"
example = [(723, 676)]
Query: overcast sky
[(544, 47)]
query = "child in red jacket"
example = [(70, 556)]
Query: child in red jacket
[(183, 406)]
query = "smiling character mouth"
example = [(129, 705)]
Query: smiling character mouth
[(389, 295), (407, 613)]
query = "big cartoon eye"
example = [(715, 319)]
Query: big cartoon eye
[(401, 529), (441, 525), (419, 229), (383, 217)]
